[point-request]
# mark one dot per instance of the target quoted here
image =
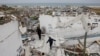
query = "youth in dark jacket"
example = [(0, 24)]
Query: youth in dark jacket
[(39, 32), (50, 40)]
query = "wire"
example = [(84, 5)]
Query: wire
[(8, 36)]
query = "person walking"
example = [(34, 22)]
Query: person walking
[(39, 32), (50, 40)]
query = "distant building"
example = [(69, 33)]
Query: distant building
[(1, 13)]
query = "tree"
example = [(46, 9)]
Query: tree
[(49, 12), (5, 6), (35, 18)]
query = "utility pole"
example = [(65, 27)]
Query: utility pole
[(84, 50), (74, 49)]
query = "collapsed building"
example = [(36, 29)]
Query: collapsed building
[(69, 31)]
